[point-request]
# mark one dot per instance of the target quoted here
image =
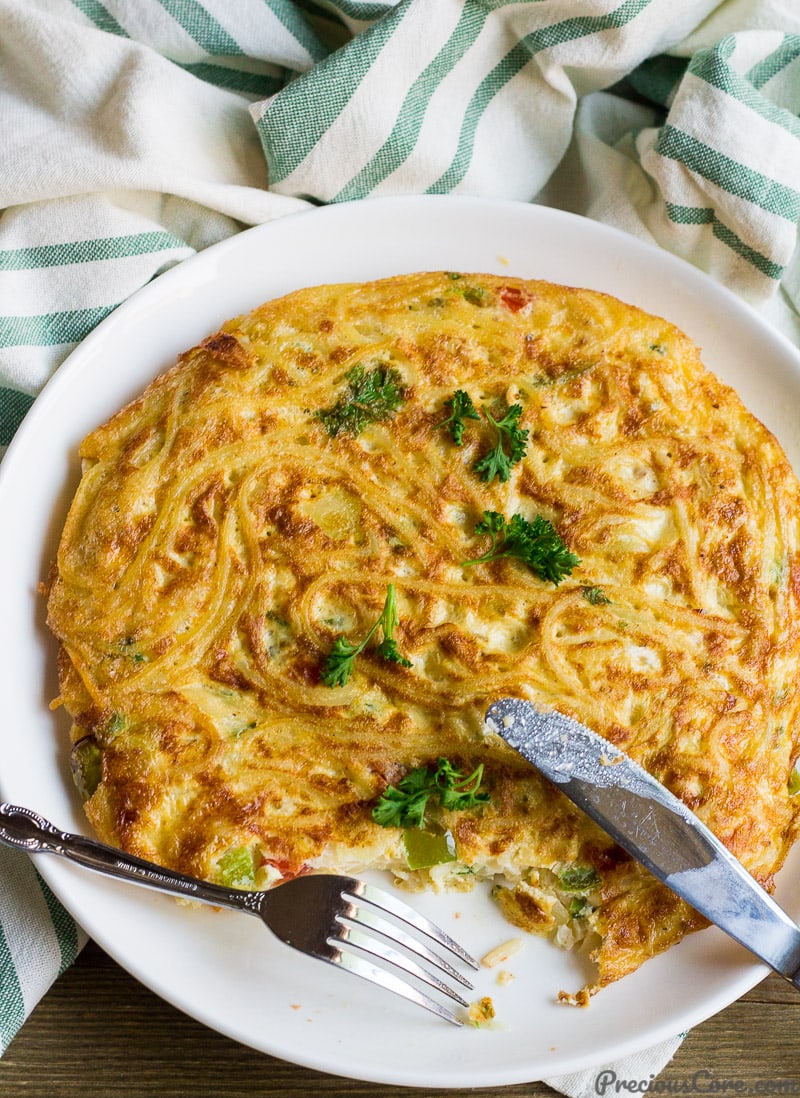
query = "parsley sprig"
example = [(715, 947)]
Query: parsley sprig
[(370, 396), (537, 543), (340, 661), (596, 596), (511, 445), (406, 804), (461, 408)]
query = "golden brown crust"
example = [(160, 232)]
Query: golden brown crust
[(221, 539)]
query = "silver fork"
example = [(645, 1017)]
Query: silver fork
[(336, 919)]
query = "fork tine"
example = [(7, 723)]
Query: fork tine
[(367, 971), (332, 918), (352, 936), (355, 889), (366, 917)]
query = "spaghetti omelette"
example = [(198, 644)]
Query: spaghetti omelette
[(299, 568)]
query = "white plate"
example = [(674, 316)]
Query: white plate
[(222, 968)]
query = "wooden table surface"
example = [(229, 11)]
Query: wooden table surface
[(98, 1032)]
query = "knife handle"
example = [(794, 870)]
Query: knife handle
[(23, 829)]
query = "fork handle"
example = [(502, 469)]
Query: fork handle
[(25, 830)]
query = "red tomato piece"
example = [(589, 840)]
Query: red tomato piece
[(514, 298)]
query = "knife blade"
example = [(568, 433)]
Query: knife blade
[(653, 826)]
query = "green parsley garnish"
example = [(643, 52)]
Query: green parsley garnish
[(340, 661), (536, 543), (461, 407), (371, 395), (595, 595), (793, 784), (405, 804), (511, 446)]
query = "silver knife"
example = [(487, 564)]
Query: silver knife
[(652, 825)]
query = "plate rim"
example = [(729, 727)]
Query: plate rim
[(157, 291)]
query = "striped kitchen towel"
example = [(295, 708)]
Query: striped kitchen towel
[(137, 133), (38, 941)]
